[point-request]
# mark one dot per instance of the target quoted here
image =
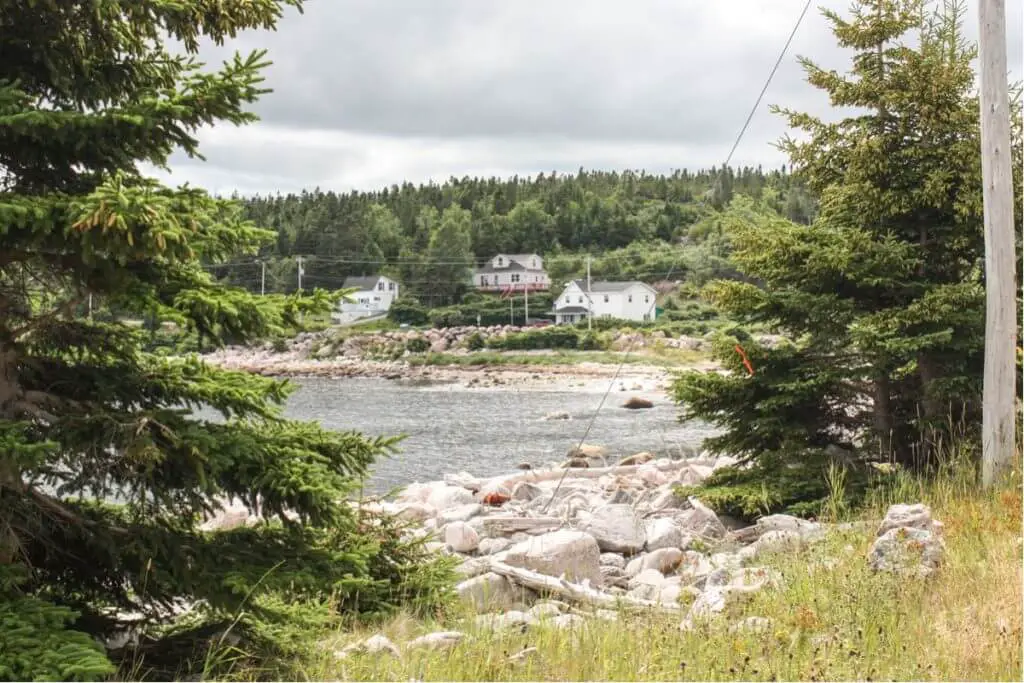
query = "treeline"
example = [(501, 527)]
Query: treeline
[(430, 236)]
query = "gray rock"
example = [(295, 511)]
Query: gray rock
[(917, 516), (621, 497), (416, 512), (907, 550), (612, 560), (374, 645), (445, 497), (526, 491), (647, 577), (505, 621), (439, 640), (491, 591), (544, 610), (574, 554), (776, 523), (460, 513), (702, 521), (461, 537), (490, 546), (473, 567), (664, 560), (617, 529), (663, 533)]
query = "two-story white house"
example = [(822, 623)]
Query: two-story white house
[(633, 300), (512, 271), (373, 296)]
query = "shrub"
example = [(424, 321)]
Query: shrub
[(555, 337), (408, 311), (417, 345), (475, 342)]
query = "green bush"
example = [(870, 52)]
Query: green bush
[(417, 345), (408, 311), (592, 341), (554, 337), (475, 342)]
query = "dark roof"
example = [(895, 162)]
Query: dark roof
[(570, 309), (605, 286), (512, 266), (522, 258), (361, 282)]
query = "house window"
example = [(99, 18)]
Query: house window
[(380, 286), (647, 299), (647, 316), (606, 298), (483, 281), (501, 261), (391, 286), (515, 277), (580, 299), (629, 298)]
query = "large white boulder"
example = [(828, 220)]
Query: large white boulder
[(461, 537), (573, 553), (618, 529), (443, 497), (663, 533), (701, 521)]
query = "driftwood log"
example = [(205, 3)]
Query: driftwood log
[(537, 476), (575, 592)]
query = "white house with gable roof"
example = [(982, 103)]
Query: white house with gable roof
[(512, 271), (373, 296), (632, 300)]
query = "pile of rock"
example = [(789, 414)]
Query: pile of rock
[(598, 538)]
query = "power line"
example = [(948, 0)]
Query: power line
[(743, 130), (771, 75)]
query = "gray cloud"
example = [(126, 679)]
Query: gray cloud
[(371, 92)]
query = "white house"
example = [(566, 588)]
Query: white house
[(621, 300), (515, 271), (373, 296)]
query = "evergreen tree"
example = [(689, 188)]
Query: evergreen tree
[(105, 471), (882, 296)]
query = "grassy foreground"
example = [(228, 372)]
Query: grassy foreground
[(833, 618)]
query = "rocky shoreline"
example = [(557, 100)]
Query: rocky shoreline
[(562, 545), (386, 355)]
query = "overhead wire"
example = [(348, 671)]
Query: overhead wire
[(629, 348)]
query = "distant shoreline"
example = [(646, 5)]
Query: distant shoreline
[(568, 373)]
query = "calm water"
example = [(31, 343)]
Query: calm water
[(483, 431)]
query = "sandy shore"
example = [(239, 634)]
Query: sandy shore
[(583, 376)]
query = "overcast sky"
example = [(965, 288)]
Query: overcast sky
[(368, 93)]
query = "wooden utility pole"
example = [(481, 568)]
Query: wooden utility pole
[(998, 414)]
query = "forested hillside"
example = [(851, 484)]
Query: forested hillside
[(429, 236)]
